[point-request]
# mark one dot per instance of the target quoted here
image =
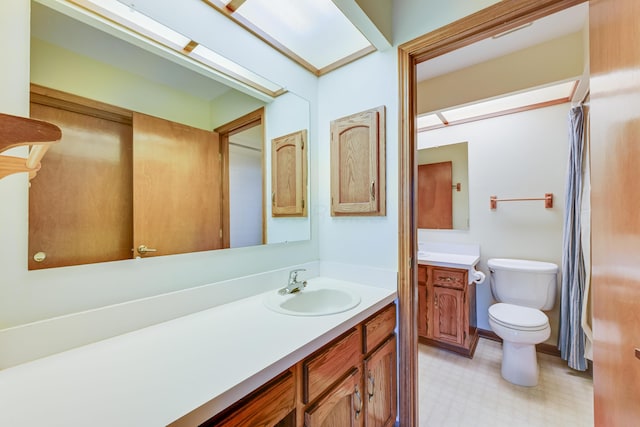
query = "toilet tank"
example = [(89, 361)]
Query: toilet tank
[(524, 282)]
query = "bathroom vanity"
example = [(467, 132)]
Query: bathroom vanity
[(230, 364), (350, 381), (447, 301)]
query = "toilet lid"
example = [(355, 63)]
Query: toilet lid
[(518, 317)]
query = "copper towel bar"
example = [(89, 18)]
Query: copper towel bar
[(548, 200)]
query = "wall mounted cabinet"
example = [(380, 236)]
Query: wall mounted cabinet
[(289, 175), (358, 164), (447, 309)]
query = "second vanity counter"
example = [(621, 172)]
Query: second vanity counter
[(155, 375)]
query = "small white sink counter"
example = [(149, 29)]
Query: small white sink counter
[(452, 255), (155, 375), (443, 259)]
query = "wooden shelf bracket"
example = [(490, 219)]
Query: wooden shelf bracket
[(18, 131)]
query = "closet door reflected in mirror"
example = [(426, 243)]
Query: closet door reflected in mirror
[(80, 202), (120, 185), (177, 188)]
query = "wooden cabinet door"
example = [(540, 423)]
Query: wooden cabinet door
[(358, 164), (80, 202), (380, 402), (423, 305), (177, 187), (448, 315), (289, 175), (342, 406), (435, 197)]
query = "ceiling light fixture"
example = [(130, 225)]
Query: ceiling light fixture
[(130, 19)]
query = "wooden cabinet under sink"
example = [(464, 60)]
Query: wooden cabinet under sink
[(349, 382), (447, 309)]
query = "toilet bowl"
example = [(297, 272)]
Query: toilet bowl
[(520, 328), (521, 288)]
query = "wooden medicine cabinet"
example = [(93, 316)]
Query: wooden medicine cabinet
[(358, 164), (289, 175)]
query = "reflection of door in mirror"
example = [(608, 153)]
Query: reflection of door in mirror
[(444, 205), (242, 142), (434, 196), (121, 184)]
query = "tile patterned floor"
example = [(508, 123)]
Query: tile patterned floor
[(459, 392)]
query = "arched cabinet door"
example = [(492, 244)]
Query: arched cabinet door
[(358, 164)]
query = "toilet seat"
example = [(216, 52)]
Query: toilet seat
[(518, 317)]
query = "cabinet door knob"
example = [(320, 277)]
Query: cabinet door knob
[(373, 190), (638, 353)]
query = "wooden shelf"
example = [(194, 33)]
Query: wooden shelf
[(20, 131)]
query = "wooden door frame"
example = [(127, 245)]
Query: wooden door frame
[(240, 124), (485, 23)]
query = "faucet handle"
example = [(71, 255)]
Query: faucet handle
[(293, 274)]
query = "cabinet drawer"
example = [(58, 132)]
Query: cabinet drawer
[(268, 405), (450, 278), (326, 367), (377, 328)]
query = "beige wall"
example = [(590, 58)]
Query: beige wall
[(557, 60)]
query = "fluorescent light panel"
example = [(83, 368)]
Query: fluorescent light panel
[(315, 30), (532, 97), (428, 120), (142, 24)]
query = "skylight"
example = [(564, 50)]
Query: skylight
[(315, 33), (548, 95)]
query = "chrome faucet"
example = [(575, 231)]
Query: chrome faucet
[(294, 285)]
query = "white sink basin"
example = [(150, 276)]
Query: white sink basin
[(312, 301)]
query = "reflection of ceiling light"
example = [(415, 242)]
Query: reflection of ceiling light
[(136, 21), (549, 95), (141, 24), (207, 56)]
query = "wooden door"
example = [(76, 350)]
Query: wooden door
[(80, 202), (435, 197), (342, 406), (289, 175), (177, 187), (448, 315), (358, 164), (615, 203), (380, 402)]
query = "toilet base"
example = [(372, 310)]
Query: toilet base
[(520, 364)]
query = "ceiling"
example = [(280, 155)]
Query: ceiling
[(553, 26), (58, 29)]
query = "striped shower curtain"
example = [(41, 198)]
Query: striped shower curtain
[(572, 337)]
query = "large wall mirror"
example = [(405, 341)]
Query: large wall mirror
[(443, 185), (137, 165)]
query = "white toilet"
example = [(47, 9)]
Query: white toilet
[(522, 288)]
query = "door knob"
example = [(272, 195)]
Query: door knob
[(143, 249)]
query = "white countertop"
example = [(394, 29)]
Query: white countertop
[(443, 259), (155, 375)]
